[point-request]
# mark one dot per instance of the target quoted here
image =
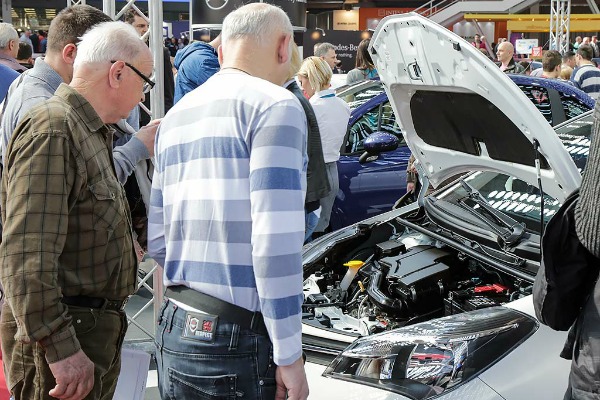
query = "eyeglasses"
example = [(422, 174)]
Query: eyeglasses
[(148, 83)]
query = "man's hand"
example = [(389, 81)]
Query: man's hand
[(74, 377), (410, 187), (147, 134), (291, 380)]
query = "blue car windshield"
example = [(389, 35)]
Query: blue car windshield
[(518, 199)]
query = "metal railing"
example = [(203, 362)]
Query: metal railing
[(434, 6)]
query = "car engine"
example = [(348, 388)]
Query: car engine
[(407, 279)]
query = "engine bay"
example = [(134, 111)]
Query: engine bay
[(385, 282)]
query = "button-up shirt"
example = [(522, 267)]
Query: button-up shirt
[(67, 229)]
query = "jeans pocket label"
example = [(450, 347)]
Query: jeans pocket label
[(200, 327)]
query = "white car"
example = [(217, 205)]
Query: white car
[(433, 300)]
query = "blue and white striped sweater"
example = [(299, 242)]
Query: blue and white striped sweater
[(227, 204)]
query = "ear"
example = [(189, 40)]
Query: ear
[(69, 52), (115, 74), (283, 49), (220, 54), (13, 43)]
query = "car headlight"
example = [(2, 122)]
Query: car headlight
[(423, 360)]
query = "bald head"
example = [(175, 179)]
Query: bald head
[(505, 52), (256, 38), (259, 22)]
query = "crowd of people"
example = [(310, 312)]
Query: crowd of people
[(244, 172), (253, 177), (577, 67)]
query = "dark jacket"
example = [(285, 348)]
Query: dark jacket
[(169, 87), (317, 184), (195, 63), (513, 68), (583, 344)]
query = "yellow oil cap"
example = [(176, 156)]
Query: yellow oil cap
[(354, 264)]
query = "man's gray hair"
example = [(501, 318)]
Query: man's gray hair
[(7, 33), (323, 48), (257, 21), (109, 41)]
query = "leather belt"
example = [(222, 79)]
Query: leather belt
[(247, 319), (95, 302)]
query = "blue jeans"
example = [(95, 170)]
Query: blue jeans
[(238, 364), (311, 221), (327, 202)]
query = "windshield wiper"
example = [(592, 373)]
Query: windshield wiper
[(508, 230)]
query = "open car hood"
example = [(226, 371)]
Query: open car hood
[(459, 112)]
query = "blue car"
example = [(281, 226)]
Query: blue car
[(372, 188)]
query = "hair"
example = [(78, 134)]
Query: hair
[(322, 49), (109, 41), (295, 62), (567, 55), (363, 58), (130, 15), (256, 21), (550, 60), (565, 72), (7, 33), (25, 51), (586, 52), (317, 71), (71, 23), (315, 47)]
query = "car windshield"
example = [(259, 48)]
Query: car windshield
[(361, 93), (518, 199)]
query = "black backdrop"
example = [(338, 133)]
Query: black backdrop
[(212, 12)]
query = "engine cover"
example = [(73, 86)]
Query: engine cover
[(418, 276)]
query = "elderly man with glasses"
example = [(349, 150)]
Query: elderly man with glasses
[(57, 67), (67, 260)]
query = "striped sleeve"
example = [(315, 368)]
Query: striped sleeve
[(277, 206), (156, 220)]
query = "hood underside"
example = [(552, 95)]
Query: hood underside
[(459, 112)]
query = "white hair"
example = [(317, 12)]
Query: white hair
[(109, 41), (323, 48), (7, 33), (258, 21)]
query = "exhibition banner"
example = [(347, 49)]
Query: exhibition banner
[(345, 43)]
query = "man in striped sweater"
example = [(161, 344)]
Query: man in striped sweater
[(586, 76), (227, 222)]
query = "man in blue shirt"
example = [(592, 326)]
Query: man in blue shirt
[(195, 63)]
